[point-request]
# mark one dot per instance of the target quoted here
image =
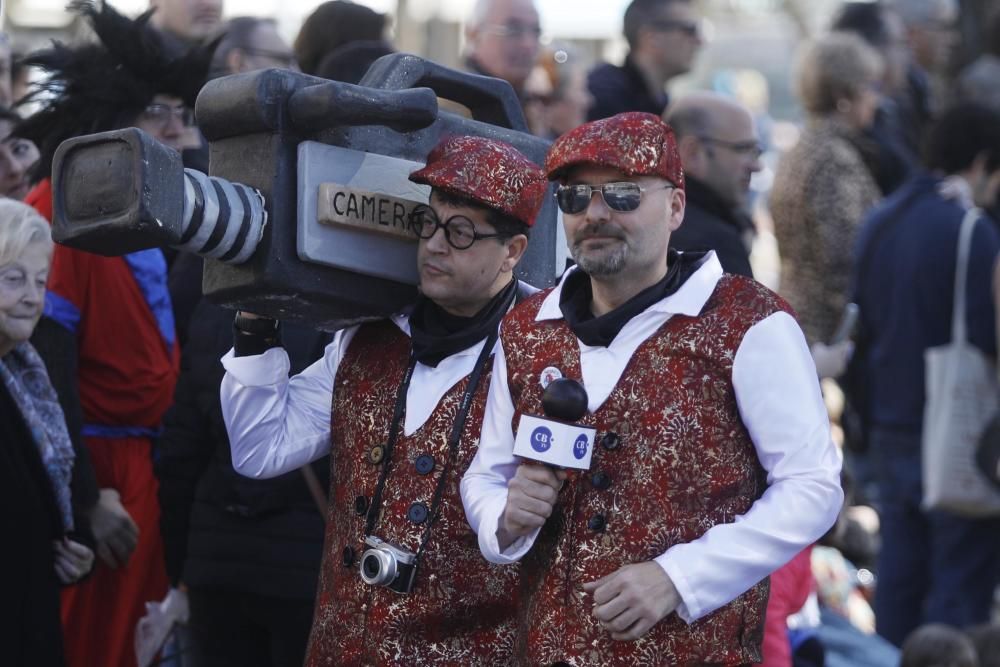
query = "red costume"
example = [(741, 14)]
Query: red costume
[(461, 610), (128, 363), (712, 459), (667, 485)]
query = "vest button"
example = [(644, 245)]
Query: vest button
[(417, 513), (348, 556), (424, 464), (238, 509), (597, 523), (611, 441), (600, 481), (376, 454), (360, 505)]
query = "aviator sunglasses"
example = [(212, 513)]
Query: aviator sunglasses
[(621, 197)]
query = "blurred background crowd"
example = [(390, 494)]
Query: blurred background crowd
[(826, 145)]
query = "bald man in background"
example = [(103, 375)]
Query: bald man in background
[(720, 152)]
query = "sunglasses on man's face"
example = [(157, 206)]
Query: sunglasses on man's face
[(622, 197), (689, 28)]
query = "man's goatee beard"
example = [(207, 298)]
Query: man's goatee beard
[(606, 266)]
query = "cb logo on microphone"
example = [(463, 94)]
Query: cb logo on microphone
[(541, 439)]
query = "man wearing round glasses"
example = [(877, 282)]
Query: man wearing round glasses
[(713, 463), (398, 404)]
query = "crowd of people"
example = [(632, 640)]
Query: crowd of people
[(755, 489)]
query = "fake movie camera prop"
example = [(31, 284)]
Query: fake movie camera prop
[(305, 214)]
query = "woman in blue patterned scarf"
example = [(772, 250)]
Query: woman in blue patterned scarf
[(36, 455)]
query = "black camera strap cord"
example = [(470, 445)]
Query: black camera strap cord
[(456, 434)]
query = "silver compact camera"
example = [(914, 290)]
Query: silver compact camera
[(385, 565)]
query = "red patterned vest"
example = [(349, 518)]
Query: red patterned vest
[(673, 460), (461, 610)]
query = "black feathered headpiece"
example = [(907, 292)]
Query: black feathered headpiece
[(105, 86)]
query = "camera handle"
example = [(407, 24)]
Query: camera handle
[(490, 100)]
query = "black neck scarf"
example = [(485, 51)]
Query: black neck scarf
[(437, 334), (577, 295)]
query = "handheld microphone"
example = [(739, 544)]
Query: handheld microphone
[(557, 440)]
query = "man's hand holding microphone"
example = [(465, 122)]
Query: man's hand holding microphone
[(531, 495), (627, 602)]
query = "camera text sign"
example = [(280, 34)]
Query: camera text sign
[(372, 211)]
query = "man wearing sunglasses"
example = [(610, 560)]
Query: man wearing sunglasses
[(398, 404), (663, 38), (713, 463)]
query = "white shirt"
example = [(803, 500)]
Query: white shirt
[(277, 424), (779, 400)]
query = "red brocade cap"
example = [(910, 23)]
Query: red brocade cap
[(635, 143), (487, 171)]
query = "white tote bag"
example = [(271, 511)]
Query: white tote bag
[(962, 394)]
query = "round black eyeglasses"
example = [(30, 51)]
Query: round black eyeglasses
[(459, 231)]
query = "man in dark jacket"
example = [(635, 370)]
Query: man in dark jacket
[(248, 551), (934, 566), (720, 152), (663, 38)]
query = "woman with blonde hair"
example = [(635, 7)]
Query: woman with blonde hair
[(36, 454), (823, 186)]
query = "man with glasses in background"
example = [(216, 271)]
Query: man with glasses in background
[(503, 40), (720, 152), (252, 43), (398, 405), (663, 38), (712, 464)]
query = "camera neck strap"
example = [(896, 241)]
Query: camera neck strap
[(456, 434)]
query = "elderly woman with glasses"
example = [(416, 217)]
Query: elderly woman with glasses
[(823, 186), (36, 454), (119, 313)]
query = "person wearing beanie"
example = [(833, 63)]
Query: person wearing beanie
[(114, 315), (398, 404), (712, 464)]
